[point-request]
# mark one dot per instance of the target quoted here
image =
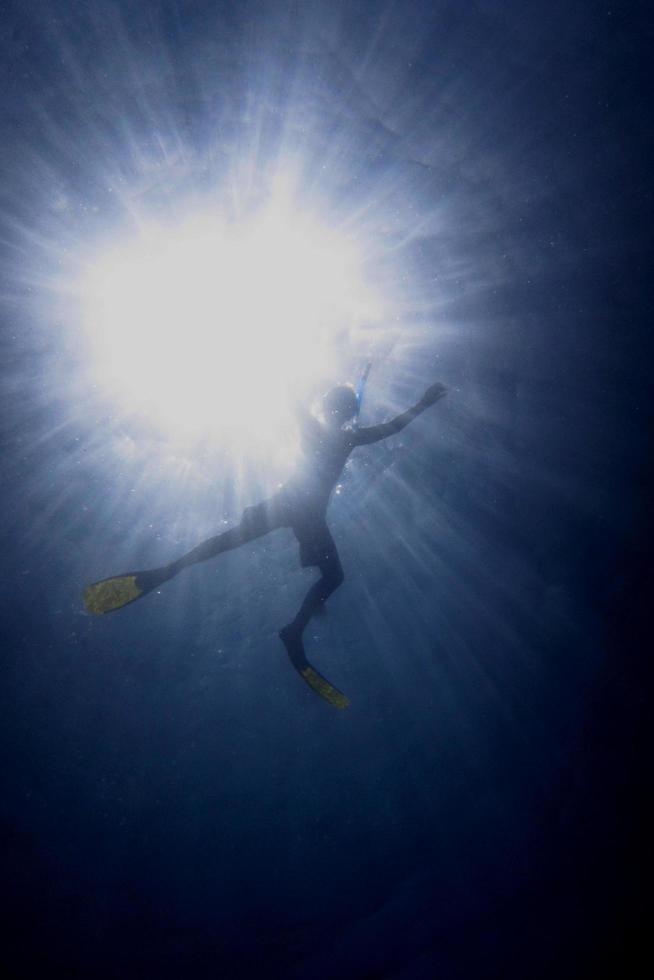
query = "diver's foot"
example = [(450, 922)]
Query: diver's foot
[(291, 637), (153, 578)]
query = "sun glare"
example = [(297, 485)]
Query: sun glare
[(210, 326)]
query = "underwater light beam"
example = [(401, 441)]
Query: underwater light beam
[(214, 326)]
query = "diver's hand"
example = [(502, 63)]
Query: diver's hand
[(433, 394)]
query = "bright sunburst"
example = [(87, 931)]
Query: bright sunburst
[(208, 325)]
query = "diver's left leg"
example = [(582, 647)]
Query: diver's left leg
[(330, 579), (316, 548)]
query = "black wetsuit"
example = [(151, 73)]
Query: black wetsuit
[(301, 504)]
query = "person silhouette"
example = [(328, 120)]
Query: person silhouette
[(301, 505)]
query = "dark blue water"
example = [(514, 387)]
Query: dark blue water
[(175, 801)]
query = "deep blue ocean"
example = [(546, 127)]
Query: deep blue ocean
[(175, 801)]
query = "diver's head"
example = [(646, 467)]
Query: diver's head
[(340, 405)]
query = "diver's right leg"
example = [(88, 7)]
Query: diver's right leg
[(121, 590), (255, 522)]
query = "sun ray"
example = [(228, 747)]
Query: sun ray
[(208, 326)]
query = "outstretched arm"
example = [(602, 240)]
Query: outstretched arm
[(374, 433)]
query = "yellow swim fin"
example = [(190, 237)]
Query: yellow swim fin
[(322, 687), (114, 593), (309, 674)]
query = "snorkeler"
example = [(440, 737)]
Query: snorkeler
[(300, 504)]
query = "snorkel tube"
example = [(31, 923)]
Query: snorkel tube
[(360, 388)]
